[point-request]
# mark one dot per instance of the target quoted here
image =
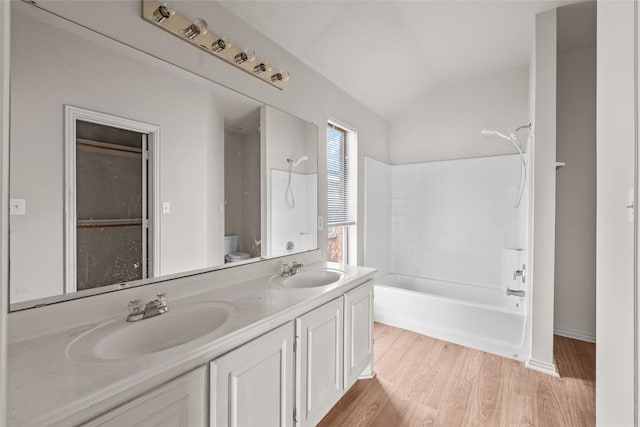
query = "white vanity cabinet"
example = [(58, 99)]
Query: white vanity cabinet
[(253, 384), (319, 362), (358, 333), (291, 375), (181, 402)]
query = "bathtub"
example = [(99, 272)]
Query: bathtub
[(483, 318)]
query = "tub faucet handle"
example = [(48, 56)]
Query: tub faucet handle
[(522, 273)]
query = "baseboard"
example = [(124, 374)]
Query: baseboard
[(544, 367), (575, 335)]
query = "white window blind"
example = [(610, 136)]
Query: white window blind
[(341, 203)]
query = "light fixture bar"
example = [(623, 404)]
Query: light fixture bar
[(195, 31)]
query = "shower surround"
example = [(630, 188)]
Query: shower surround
[(453, 222)]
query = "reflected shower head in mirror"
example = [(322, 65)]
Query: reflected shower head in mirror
[(293, 164)]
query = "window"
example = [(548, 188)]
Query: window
[(342, 194)]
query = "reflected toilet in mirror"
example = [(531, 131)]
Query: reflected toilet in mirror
[(231, 253)]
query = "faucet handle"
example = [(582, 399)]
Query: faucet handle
[(135, 306), (162, 299)]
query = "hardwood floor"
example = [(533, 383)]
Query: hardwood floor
[(424, 381)]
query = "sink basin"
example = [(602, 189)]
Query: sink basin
[(119, 339), (309, 278)]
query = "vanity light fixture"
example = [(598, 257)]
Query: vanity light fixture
[(163, 12), (196, 32), (199, 27), (220, 45)]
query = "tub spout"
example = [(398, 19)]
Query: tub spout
[(515, 293)]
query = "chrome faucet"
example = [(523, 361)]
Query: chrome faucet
[(522, 273), (140, 311), (290, 269)]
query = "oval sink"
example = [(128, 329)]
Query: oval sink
[(309, 278), (119, 339)]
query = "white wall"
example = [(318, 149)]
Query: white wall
[(615, 329), (446, 123), (575, 269), (544, 190), (191, 150)]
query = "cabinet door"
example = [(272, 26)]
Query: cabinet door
[(253, 384), (358, 318), (179, 403), (319, 362)]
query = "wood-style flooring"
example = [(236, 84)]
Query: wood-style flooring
[(424, 381)]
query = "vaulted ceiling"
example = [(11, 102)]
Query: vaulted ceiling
[(387, 54)]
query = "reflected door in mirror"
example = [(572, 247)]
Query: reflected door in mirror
[(111, 184)]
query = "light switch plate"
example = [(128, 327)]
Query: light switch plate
[(320, 223), (166, 207), (17, 207)]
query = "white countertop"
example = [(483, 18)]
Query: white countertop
[(48, 387)]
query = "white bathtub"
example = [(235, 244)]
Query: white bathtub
[(484, 318)]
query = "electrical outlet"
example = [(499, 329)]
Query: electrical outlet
[(166, 207)]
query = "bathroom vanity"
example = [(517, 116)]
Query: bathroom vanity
[(283, 354)]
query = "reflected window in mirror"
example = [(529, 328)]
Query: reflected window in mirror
[(342, 163)]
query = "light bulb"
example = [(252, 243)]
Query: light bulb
[(163, 12), (199, 27), (281, 76), (220, 45), (261, 68), (244, 56)]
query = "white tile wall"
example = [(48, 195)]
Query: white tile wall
[(447, 220), (377, 215)]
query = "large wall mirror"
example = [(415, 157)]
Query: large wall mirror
[(127, 169)]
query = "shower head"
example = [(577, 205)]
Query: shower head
[(513, 139), (296, 163)]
